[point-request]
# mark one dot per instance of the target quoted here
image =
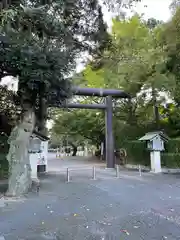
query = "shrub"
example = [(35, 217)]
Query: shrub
[(171, 157), (4, 166), (137, 153), (170, 160), (173, 146)]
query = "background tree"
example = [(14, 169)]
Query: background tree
[(8, 116), (174, 5), (170, 41), (80, 124), (135, 61), (39, 43)]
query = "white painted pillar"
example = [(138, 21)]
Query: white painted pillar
[(33, 161), (155, 161)]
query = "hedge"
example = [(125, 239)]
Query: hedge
[(170, 160), (173, 146), (4, 167), (171, 157), (137, 153)]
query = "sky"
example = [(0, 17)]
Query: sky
[(158, 9)]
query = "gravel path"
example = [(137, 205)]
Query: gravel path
[(131, 207)]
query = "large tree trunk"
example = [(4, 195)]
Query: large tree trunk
[(42, 116), (18, 156)]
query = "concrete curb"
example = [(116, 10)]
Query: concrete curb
[(147, 169), (136, 167)]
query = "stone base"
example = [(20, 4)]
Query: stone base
[(155, 157)]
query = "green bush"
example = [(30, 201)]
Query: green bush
[(171, 157), (137, 153), (170, 160), (173, 146), (4, 166)]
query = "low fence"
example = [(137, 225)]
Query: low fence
[(95, 171)]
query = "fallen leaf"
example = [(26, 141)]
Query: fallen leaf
[(75, 215), (126, 232), (136, 227)]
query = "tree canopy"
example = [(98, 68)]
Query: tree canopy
[(40, 42), (143, 60)]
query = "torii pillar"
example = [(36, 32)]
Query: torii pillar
[(110, 158)]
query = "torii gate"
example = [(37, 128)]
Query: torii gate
[(109, 94)]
